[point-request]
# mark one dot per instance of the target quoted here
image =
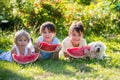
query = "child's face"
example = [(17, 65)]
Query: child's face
[(48, 35), (75, 37), (22, 41)]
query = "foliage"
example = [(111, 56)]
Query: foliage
[(86, 2), (116, 10), (33, 14), (98, 16), (6, 41)]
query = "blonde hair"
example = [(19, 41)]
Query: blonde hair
[(21, 33), (77, 26)]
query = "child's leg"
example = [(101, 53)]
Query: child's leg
[(6, 56), (67, 56), (55, 56)]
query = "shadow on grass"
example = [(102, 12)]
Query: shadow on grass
[(107, 62), (71, 67), (80, 65)]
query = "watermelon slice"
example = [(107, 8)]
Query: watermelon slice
[(25, 59), (48, 47), (77, 52)]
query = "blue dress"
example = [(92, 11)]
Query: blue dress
[(6, 56)]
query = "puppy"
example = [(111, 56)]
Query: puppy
[(97, 50)]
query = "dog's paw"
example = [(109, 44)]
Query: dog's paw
[(100, 57), (86, 52)]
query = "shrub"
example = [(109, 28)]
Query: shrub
[(98, 16)]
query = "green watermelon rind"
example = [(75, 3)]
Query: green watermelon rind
[(26, 61)]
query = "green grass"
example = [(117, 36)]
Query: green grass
[(76, 69)]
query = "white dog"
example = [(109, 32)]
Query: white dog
[(97, 50)]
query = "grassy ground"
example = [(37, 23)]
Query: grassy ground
[(76, 69)]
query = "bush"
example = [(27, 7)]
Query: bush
[(98, 16)]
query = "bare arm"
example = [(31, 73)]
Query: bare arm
[(58, 48), (36, 46), (29, 51), (13, 51)]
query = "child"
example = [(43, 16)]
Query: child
[(21, 39), (75, 38), (48, 32)]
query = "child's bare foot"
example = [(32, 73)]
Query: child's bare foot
[(68, 58)]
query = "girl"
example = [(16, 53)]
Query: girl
[(48, 32), (75, 38), (21, 39)]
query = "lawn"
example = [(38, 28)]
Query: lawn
[(76, 69)]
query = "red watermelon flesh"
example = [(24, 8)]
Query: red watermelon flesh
[(77, 52), (48, 47), (21, 59)]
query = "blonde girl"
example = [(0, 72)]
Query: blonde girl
[(21, 40)]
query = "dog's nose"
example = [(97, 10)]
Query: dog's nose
[(98, 49)]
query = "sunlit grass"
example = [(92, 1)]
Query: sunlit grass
[(76, 69)]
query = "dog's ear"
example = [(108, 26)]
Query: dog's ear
[(104, 46), (91, 44)]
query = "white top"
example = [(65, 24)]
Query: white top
[(30, 45), (18, 52), (66, 43)]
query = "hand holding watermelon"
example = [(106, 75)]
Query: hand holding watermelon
[(43, 46), (58, 48)]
